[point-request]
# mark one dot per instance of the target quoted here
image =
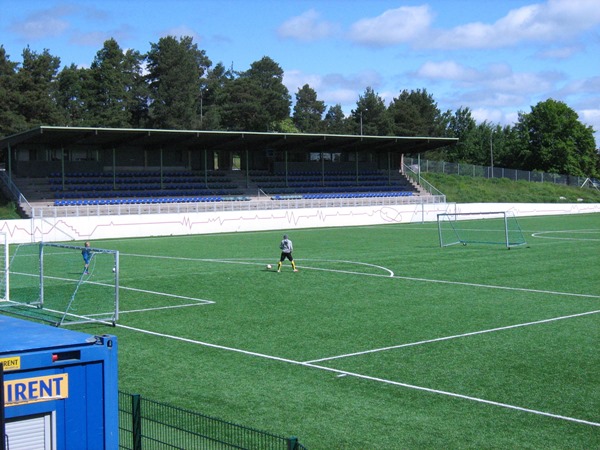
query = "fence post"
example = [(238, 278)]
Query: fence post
[(136, 421), (3, 436), (292, 443)]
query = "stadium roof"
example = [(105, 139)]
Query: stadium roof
[(220, 140)]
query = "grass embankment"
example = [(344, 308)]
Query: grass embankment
[(463, 189), (8, 209)]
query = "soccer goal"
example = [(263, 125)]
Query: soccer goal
[(48, 282), (499, 228)]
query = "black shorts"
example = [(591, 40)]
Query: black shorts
[(286, 255)]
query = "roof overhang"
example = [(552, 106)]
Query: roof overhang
[(114, 138)]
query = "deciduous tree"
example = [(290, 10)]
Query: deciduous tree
[(552, 139)]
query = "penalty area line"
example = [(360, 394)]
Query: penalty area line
[(165, 294), (160, 308), (447, 338), (343, 373)]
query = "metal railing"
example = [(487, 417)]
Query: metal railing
[(147, 424), (415, 176), (13, 191), (424, 166), (40, 212)]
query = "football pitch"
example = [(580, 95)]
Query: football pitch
[(382, 340)]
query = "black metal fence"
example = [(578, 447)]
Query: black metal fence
[(147, 424)]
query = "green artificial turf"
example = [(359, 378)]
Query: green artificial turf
[(382, 340)]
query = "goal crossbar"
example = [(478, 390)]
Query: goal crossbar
[(496, 227)]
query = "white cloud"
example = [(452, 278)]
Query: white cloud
[(182, 31), (307, 27), (97, 38), (347, 98), (489, 115), (583, 86), (55, 21), (295, 79), (40, 27), (497, 78), (560, 52), (334, 88), (447, 70), (591, 117), (522, 83), (394, 26), (90, 38), (555, 20)]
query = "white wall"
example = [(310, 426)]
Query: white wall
[(124, 226)]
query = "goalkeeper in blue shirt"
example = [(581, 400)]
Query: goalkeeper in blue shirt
[(287, 248), (86, 253)]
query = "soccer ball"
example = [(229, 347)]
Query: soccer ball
[(114, 269), (269, 266)]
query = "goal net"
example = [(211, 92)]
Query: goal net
[(48, 281), (499, 228)]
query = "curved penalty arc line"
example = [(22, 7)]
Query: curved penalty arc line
[(263, 261), (385, 269), (544, 235)]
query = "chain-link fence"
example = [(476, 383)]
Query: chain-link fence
[(471, 170)]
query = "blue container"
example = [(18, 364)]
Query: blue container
[(60, 387)]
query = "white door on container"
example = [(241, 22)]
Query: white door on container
[(31, 433)]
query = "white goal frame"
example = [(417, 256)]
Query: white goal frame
[(67, 314), (506, 235), (50, 283), (4, 268)]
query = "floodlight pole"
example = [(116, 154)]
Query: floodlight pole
[(492, 153), (361, 125)]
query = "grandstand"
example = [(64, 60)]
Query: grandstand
[(133, 170)]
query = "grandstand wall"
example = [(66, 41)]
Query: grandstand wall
[(61, 229)]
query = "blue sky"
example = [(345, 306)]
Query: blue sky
[(498, 58)]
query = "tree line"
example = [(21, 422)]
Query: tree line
[(176, 86)]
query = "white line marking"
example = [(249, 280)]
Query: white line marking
[(446, 338), (390, 272), (459, 283), (385, 269), (263, 261), (455, 395), (125, 288), (541, 235), (162, 307), (505, 288), (164, 294), (342, 373)]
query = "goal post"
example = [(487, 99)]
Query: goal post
[(4, 265), (49, 282), (496, 228)]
